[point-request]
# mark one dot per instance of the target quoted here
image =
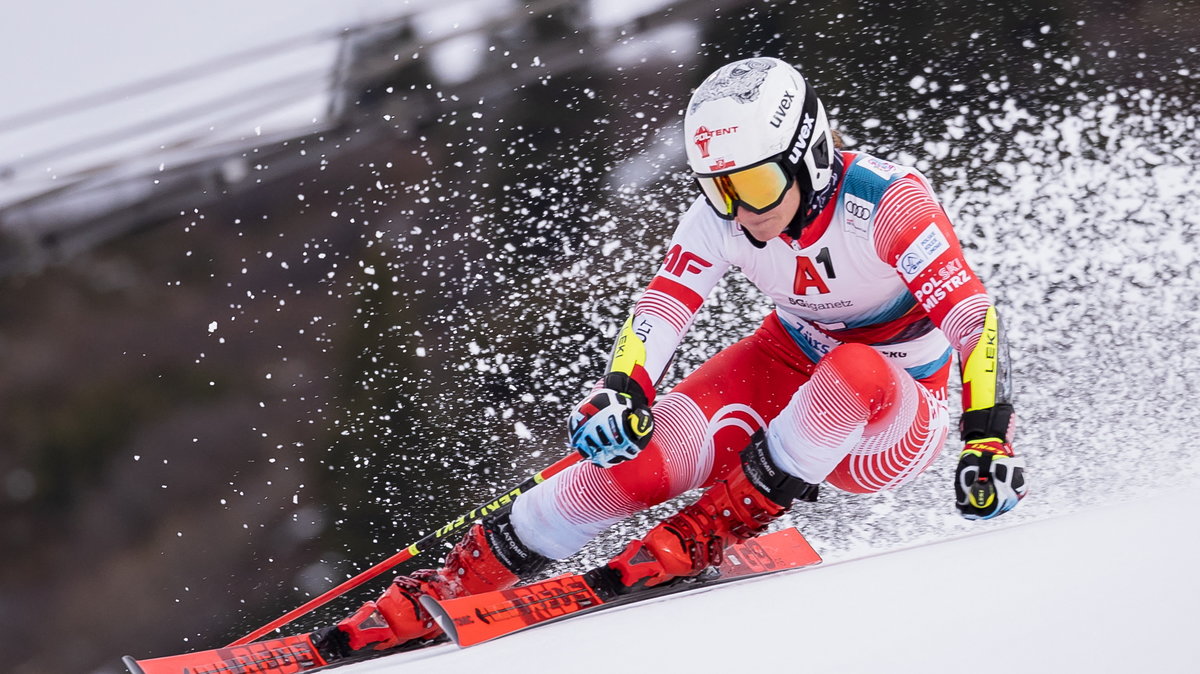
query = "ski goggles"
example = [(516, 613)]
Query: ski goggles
[(758, 188)]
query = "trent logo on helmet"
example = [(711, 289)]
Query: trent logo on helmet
[(703, 136)]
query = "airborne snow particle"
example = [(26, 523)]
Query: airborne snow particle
[(522, 431)]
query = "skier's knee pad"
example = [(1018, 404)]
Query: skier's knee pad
[(859, 370)]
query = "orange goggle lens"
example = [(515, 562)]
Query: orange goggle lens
[(758, 188)]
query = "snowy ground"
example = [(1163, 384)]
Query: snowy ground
[(1107, 590)]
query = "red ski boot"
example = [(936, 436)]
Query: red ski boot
[(730, 511), (490, 557)]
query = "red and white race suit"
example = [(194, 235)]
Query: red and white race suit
[(848, 373)]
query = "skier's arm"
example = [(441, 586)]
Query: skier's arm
[(614, 422), (913, 233), (694, 263)]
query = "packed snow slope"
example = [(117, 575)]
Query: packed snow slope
[(1109, 589)]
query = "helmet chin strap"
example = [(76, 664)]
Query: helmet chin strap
[(753, 241)]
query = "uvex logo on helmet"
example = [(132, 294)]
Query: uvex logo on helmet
[(703, 136), (806, 129), (785, 104)]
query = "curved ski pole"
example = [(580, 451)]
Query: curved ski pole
[(411, 551)]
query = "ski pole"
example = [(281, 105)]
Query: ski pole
[(412, 550)]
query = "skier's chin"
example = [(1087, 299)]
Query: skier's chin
[(763, 229)]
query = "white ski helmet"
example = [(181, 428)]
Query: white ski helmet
[(755, 111)]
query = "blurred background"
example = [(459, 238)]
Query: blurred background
[(286, 285)]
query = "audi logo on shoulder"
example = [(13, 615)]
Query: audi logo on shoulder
[(858, 209)]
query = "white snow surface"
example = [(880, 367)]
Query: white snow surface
[(1111, 589)]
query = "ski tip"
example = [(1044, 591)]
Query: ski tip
[(440, 616), (132, 665)]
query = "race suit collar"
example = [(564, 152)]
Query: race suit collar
[(813, 222)]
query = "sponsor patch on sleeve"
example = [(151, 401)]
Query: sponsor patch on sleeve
[(925, 249), (858, 214), (881, 168)]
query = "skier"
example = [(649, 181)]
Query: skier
[(843, 383)]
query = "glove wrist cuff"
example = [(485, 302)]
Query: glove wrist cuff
[(639, 389), (992, 446), (991, 422)]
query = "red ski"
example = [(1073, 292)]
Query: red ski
[(478, 618), (274, 656), (481, 617)]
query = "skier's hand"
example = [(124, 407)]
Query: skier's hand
[(989, 481), (613, 424)]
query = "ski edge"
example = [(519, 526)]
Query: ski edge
[(132, 665)]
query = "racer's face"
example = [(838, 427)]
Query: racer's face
[(767, 226)]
